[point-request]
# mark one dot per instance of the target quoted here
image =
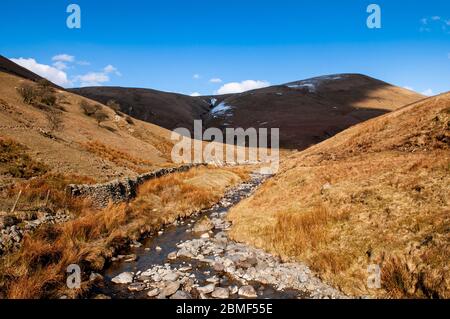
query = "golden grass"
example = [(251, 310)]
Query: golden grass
[(34, 193), (119, 157), (38, 270), (375, 194), (16, 162)]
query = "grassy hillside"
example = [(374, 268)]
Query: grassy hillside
[(55, 131), (92, 236), (377, 193)]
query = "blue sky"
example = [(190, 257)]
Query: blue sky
[(181, 45)]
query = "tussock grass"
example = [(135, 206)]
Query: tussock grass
[(119, 157), (38, 270), (34, 193), (16, 162), (377, 193)]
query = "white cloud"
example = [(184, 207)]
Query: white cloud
[(60, 65), (196, 76), (111, 69), (92, 79), (49, 72), (97, 78), (195, 94), (428, 92), (239, 87), (215, 80), (408, 88), (436, 18), (62, 62), (63, 58)]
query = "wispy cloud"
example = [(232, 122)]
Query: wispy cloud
[(111, 69), (97, 78), (196, 76), (215, 80), (62, 61), (83, 63), (64, 58), (195, 94), (429, 24), (428, 92), (92, 79)]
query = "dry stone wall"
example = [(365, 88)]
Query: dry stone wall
[(120, 190)]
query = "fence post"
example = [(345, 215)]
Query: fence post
[(17, 200)]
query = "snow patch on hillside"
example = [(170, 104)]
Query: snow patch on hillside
[(312, 84), (221, 109)]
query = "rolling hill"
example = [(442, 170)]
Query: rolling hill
[(375, 194), (310, 111), (307, 112), (62, 138), (8, 66), (168, 110)]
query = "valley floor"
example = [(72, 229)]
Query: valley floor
[(91, 237), (376, 194)]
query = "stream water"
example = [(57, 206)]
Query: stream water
[(157, 263)]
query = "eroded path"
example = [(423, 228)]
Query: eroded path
[(194, 258)]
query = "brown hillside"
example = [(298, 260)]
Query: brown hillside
[(307, 112), (63, 139), (169, 110), (377, 193), (310, 111), (10, 67)]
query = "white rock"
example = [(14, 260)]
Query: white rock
[(220, 293), (123, 278), (172, 255), (181, 295), (206, 289), (171, 276), (153, 292), (233, 289), (137, 286), (247, 291), (170, 288)]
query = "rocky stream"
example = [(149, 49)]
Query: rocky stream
[(194, 258)]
